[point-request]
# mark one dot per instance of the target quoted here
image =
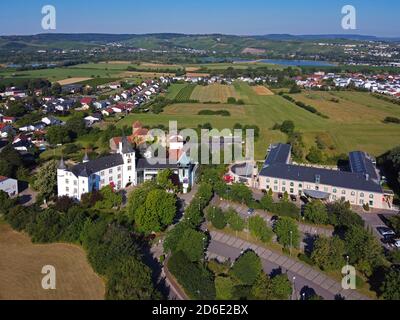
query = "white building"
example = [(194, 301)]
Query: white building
[(118, 170), (359, 186), (9, 186)]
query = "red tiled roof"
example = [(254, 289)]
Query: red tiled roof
[(86, 100), (140, 132), (2, 178)]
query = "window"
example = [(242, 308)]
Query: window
[(353, 193), (362, 202), (326, 189), (110, 179), (267, 180), (276, 181), (300, 186), (292, 184), (362, 195), (129, 168), (102, 173), (334, 190), (75, 183), (66, 181), (291, 190), (67, 189), (317, 188), (267, 187), (110, 171), (129, 160), (283, 189), (371, 196), (371, 203), (343, 192), (119, 169), (75, 191), (119, 176), (276, 188), (102, 181), (284, 183)]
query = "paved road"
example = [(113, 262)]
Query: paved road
[(223, 247), (242, 210)]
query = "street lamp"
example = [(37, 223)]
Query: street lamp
[(294, 289), (304, 296), (291, 242)]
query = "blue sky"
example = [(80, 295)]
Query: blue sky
[(244, 17)]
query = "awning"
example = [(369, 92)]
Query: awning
[(317, 194)]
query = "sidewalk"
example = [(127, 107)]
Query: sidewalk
[(242, 210), (317, 278)]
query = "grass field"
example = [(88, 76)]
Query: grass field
[(214, 93), (21, 264), (185, 93), (350, 129)]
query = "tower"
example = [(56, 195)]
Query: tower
[(61, 177), (128, 154)]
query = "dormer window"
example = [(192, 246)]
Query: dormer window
[(317, 179)]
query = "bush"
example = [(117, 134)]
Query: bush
[(217, 217), (287, 232), (195, 278), (247, 268), (259, 229), (316, 212)]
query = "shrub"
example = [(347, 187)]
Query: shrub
[(217, 218), (259, 229)]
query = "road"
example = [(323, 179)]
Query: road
[(307, 279)]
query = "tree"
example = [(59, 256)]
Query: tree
[(247, 268), (192, 243), (217, 217), (294, 89), (315, 155), (174, 236), (6, 168), (235, 221), (46, 179), (138, 197), (363, 249), (130, 279), (5, 202), (157, 212), (240, 193), (341, 215), (58, 135), (224, 288), (110, 199), (63, 204), (262, 288), (164, 180), (287, 127), (316, 212), (281, 287), (266, 202), (259, 229), (391, 285), (76, 127), (287, 232), (328, 254)]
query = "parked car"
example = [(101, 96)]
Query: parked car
[(274, 220), (385, 231), (396, 243), (388, 239), (250, 211), (293, 198)]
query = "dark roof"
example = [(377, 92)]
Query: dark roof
[(143, 164), (91, 167), (362, 163), (279, 153), (341, 179)]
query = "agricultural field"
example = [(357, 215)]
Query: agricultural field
[(262, 91), (214, 93), (21, 264), (344, 131), (185, 93)]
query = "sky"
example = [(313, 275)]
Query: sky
[(239, 17)]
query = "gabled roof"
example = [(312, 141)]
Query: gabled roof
[(2, 178), (91, 167)]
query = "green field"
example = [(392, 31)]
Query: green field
[(214, 93), (360, 131), (185, 93)]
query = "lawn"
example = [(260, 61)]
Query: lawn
[(21, 264), (345, 130), (214, 93)]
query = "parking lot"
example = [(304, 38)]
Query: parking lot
[(378, 219)]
